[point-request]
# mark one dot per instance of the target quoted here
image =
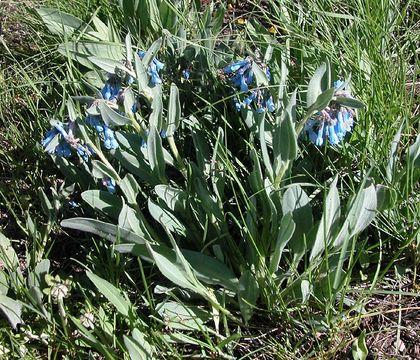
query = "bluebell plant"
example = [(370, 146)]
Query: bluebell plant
[(242, 77), (67, 141), (333, 122)]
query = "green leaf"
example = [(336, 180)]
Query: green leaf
[(155, 154), (386, 197), (104, 201), (142, 77), (328, 221), (130, 220), (60, 23), (306, 290), (349, 102), (46, 204), (102, 229), (71, 110), (155, 119), (109, 65), (166, 261), (359, 349), (8, 256), (362, 211), (414, 153), (263, 143), (315, 87), (36, 277), (81, 51), (112, 294), (286, 230), (174, 110), (182, 317), (210, 270), (138, 348), (129, 100), (148, 13), (260, 76), (152, 51), (130, 187), (135, 249), (166, 218), (248, 293), (128, 49), (111, 117), (321, 102), (285, 138), (4, 286), (393, 155), (174, 198), (101, 28), (167, 15), (296, 202), (100, 170), (137, 166), (12, 310)]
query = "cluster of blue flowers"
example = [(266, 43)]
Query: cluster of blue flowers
[(61, 140), (241, 76), (186, 73), (153, 69), (110, 184), (111, 89), (103, 130), (331, 123), (66, 141)]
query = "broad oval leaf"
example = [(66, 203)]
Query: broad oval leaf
[(103, 201), (111, 117), (12, 310), (112, 294)]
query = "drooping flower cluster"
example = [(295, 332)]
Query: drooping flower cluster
[(60, 141), (103, 130), (242, 76), (153, 69), (110, 184), (111, 89), (333, 122)]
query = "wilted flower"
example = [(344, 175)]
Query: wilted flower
[(153, 69), (333, 122)]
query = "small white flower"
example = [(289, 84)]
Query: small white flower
[(3, 351), (22, 350), (87, 320), (59, 291)]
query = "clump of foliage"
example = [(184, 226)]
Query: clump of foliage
[(195, 158)]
